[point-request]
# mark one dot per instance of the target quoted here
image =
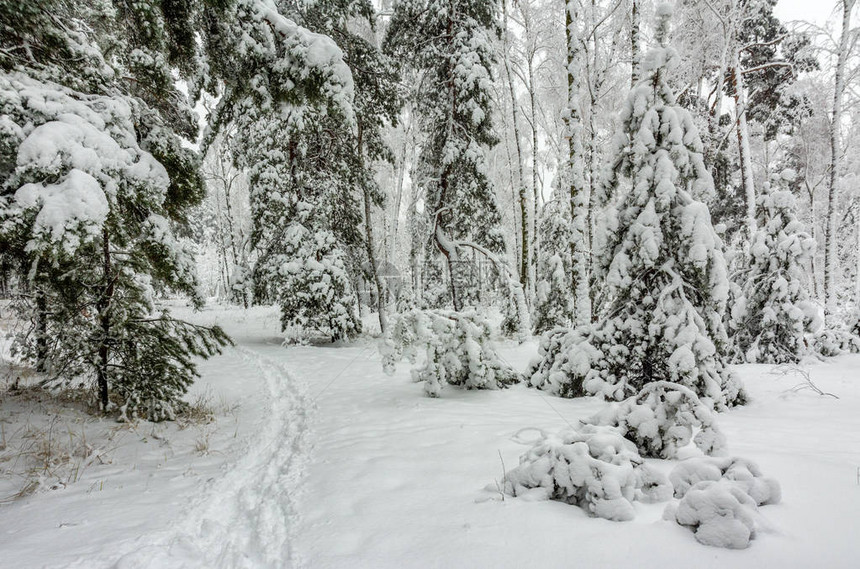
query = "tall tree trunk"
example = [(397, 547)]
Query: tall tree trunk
[(729, 27), (529, 289), (635, 50), (41, 331), (525, 226), (103, 307), (747, 180), (400, 174), (441, 232), (830, 256), (369, 243), (228, 188), (815, 235), (857, 261), (577, 191)]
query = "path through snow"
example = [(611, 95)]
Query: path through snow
[(395, 479), (245, 519)]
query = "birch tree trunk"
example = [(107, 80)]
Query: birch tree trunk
[(635, 52), (830, 260), (857, 262), (745, 155), (369, 239), (526, 239), (530, 292), (577, 190)]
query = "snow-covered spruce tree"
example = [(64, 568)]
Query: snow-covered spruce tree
[(554, 302), (659, 262), (449, 43), (352, 23), (300, 224), (310, 173), (771, 324)]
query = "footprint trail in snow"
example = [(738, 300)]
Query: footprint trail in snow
[(246, 518)]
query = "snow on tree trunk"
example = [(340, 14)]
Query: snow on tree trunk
[(635, 47), (526, 235), (830, 254), (579, 247), (747, 180)]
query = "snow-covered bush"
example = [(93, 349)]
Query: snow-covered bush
[(660, 420), (720, 514), (592, 467), (456, 348), (771, 323), (745, 473), (831, 342), (720, 499), (663, 276), (565, 359), (315, 292)]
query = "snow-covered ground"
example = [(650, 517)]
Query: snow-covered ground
[(317, 459)]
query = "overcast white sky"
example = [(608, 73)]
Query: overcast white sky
[(815, 11)]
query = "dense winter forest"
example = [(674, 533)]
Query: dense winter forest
[(624, 215)]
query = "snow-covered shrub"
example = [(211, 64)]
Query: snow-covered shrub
[(744, 473), (456, 348), (663, 279), (592, 467), (835, 341), (660, 420), (719, 512), (565, 359), (771, 323), (720, 499)]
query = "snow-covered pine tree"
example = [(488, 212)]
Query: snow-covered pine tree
[(771, 324), (660, 263), (554, 301), (449, 42), (96, 178), (85, 212)]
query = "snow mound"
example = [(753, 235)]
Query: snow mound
[(720, 499), (593, 467), (719, 512), (660, 420), (745, 474)]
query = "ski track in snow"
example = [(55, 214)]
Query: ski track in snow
[(246, 518)]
